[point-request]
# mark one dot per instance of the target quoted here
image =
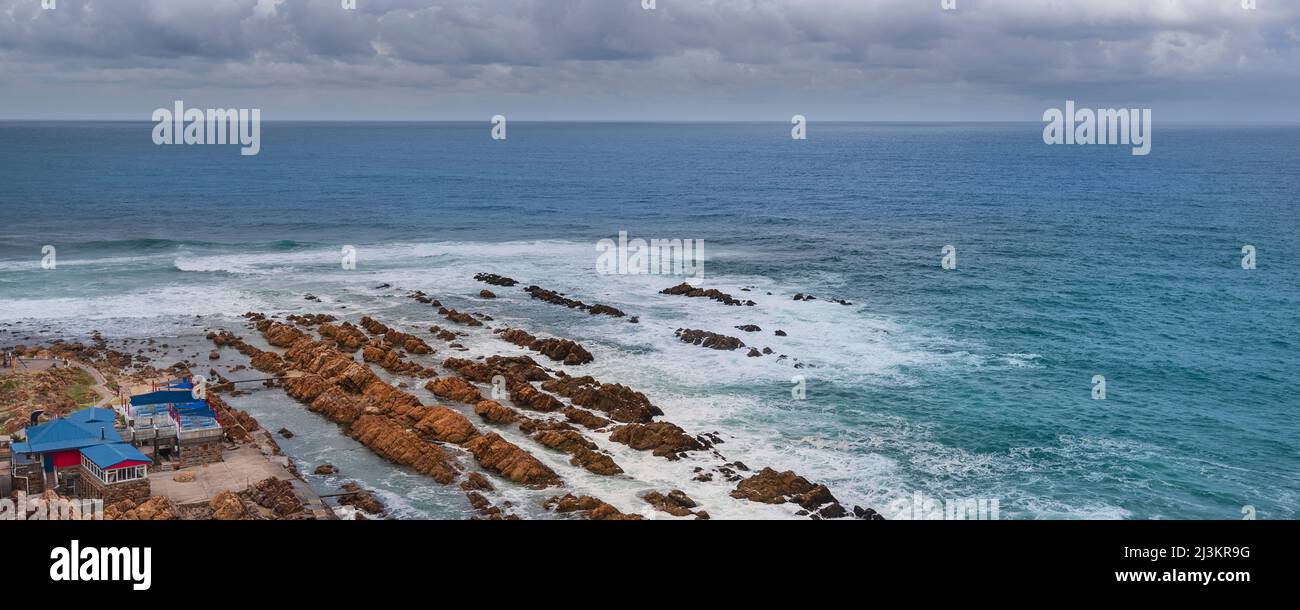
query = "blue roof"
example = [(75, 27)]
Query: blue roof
[(64, 434), (182, 384), (112, 454), (93, 415), (162, 396)]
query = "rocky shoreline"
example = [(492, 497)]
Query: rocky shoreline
[(485, 420)]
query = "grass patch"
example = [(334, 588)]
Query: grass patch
[(82, 390)]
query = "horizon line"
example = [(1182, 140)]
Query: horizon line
[(1265, 123)]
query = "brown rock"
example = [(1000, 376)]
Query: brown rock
[(504, 458), (361, 499), (475, 481), (454, 388), (676, 503), (448, 426), (620, 402), (227, 506), (663, 438), (585, 453), (493, 412), (397, 444)]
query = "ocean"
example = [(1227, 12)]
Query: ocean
[(973, 382)]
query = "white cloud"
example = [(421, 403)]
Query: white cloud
[(876, 58)]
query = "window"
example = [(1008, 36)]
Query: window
[(116, 475)]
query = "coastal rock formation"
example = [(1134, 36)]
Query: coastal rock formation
[(361, 499), (226, 506), (486, 294), (619, 401), (508, 460), (710, 340), (495, 413), (587, 506), (277, 495), (390, 361), (458, 317), (664, 439), (688, 290), (454, 388), (560, 350), (525, 395), (542, 294), (585, 453), (772, 487), (346, 336), (675, 503), (397, 444), (867, 514), (443, 334), (394, 338), (584, 418), (749, 328), (310, 319), (475, 481), (157, 508), (238, 425), (445, 425), (280, 335), (494, 279)]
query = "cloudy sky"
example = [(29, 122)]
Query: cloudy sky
[(1195, 60)]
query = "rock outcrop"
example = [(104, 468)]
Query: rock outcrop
[(494, 279), (688, 290), (620, 402), (708, 339), (542, 294), (508, 460), (663, 438), (559, 350), (588, 507), (771, 487)]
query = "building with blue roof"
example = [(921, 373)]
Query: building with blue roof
[(82, 455), (176, 425)]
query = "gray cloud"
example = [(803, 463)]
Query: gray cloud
[(689, 59)]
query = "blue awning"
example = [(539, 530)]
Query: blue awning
[(162, 396)]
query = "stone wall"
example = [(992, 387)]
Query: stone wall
[(91, 488), (197, 454), (35, 478)]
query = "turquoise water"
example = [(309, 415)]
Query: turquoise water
[(966, 383)]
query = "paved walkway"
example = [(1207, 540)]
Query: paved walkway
[(242, 468)]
